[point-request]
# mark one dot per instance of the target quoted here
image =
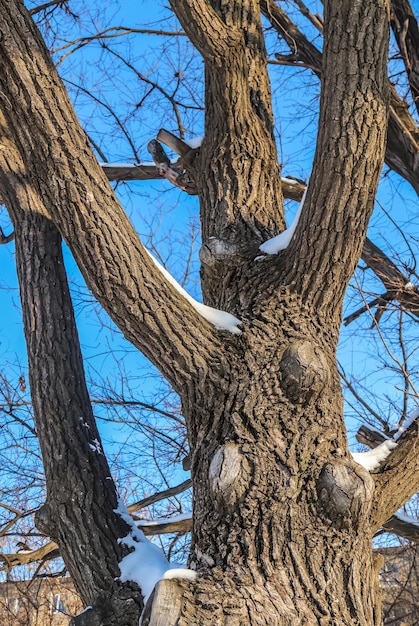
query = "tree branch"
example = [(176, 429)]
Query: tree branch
[(162, 495), (402, 527), (204, 27), (398, 478), (349, 155), (406, 32), (122, 276), (396, 283), (402, 133)]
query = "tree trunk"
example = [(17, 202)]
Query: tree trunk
[(282, 527), (80, 509), (281, 532)]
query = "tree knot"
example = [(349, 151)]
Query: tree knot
[(344, 494), (305, 371), (229, 474)]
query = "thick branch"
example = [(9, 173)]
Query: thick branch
[(402, 527), (397, 284), (204, 27), (406, 31), (80, 510), (301, 48), (42, 135), (398, 479), (349, 152), (402, 134)]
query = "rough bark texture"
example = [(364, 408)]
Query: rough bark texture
[(283, 518), (79, 513)]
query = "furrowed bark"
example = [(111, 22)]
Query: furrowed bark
[(42, 136), (79, 512), (206, 30), (397, 480), (237, 171), (349, 153), (282, 531)]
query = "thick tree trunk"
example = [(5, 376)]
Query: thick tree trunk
[(80, 509), (281, 532), (282, 526)]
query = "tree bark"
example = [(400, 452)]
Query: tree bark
[(80, 509), (283, 517)]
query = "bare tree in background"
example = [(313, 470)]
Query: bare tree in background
[(283, 518)]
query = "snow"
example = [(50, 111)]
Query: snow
[(95, 446), (289, 181), (164, 520), (132, 165), (406, 518), (146, 564), (124, 165), (220, 319), (194, 143), (180, 572), (86, 609), (407, 422), (372, 459), (282, 241)]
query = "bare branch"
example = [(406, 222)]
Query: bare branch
[(406, 31), (408, 529), (111, 33), (369, 437), (162, 495), (402, 133), (168, 325), (47, 5), (6, 238), (398, 478)]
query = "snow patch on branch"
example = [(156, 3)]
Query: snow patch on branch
[(95, 446), (180, 572), (164, 520), (289, 181), (414, 521), (146, 564), (282, 241), (220, 319), (194, 143), (372, 459), (407, 422)]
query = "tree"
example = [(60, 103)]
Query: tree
[(283, 516)]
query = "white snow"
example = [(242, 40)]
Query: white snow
[(282, 241), (124, 165), (290, 181), (372, 459), (220, 319), (95, 446), (164, 520), (146, 564), (407, 422), (85, 610), (132, 166), (180, 572), (196, 142), (406, 518)]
